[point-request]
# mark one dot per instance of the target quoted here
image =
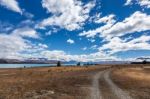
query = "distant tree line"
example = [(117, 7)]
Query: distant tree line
[(58, 64), (78, 64)]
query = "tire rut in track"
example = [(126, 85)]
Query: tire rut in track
[(114, 88), (95, 91), (105, 89)]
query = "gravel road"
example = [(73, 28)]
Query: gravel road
[(104, 88)]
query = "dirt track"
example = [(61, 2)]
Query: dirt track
[(104, 88), (95, 90)]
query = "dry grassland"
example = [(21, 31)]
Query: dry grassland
[(46, 82), (134, 80)]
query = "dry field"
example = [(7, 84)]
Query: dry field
[(90, 82), (134, 80), (47, 82)]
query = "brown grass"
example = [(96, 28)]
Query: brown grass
[(30, 83), (134, 80)]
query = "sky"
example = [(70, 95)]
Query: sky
[(80, 30)]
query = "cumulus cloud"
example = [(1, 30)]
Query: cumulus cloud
[(128, 2), (54, 55), (11, 5), (16, 45), (107, 20), (118, 45), (137, 22), (25, 32), (70, 41), (61, 55), (68, 14), (112, 32), (12, 45), (143, 3)]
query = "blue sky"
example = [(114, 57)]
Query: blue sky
[(82, 30)]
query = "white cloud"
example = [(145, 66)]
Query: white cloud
[(16, 45), (137, 22), (107, 20), (28, 15), (14, 6), (94, 47), (98, 31), (53, 30), (26, 32), (112, 32), (118, 45), (68, 14), (84, 48), (128, 2), (91, 40), (54, 55), (5, 26), (70, 41), (61, 55), (143, 3), (95, 17), (12, 45), (11, 5), (42, 45)]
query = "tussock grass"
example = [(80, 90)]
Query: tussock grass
[(134, 80), (27, 83)]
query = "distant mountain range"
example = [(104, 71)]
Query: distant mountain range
[(28, 61), (46, 61)]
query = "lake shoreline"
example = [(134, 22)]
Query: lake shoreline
[(31, 65)]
